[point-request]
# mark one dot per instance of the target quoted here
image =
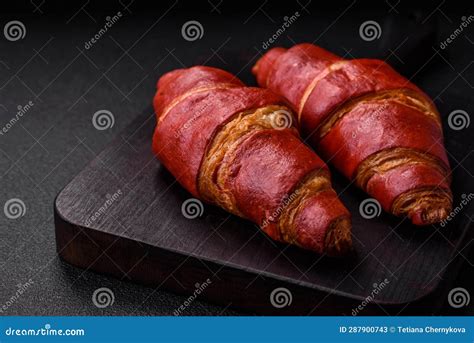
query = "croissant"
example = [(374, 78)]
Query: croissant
[(238, 148), (372, 124)]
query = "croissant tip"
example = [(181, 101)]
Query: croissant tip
[(255, 68), (338, 238), (430, 215)]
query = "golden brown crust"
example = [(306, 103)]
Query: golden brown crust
[(333, 67), (428, 205), (425, 204), (373, 124), (338, 239), (315, 182), (237, 147), (404, 96), (387, 159), (215, 170)]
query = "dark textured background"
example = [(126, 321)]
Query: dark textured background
[(68, 84)]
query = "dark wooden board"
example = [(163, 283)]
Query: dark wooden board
[(144, 237)]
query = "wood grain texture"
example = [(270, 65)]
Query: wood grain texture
[(143, 236)]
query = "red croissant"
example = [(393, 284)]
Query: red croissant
[(236, 147), (375, 126)]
